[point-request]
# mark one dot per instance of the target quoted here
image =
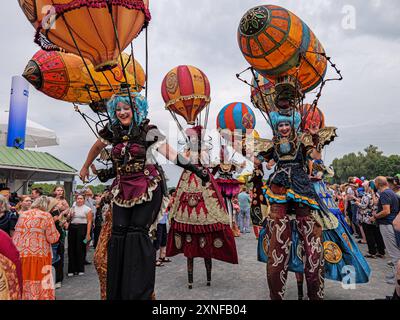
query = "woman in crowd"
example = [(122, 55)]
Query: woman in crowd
[(34, 234), (58, 247), (367, 205), (24, 204), (10, 269), (160, 242), (7, 218), (79, 234), (59, 194)]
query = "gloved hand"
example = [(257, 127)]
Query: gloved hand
[(202, 173)]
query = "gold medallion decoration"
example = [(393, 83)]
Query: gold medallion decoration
[(346, 238), (172, 83), (193, 200), (178, 241), (332, 252), (218, 243), (202, 242), (188, 238)]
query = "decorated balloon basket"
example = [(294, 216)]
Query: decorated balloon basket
[(287, 61), (82, 58)]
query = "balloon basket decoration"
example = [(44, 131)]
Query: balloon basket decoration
[(286, 59), (186, 92), (235, 123), (82, 59)]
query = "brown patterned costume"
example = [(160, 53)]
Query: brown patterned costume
[(100, 255), (9, 284)]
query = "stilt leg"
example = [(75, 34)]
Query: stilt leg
[(208, 263), (300, 281), (190, 272)]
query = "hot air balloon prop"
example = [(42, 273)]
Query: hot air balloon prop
[(63, 76), (234, 122), (98, 30), (263, 93), (186, 93), (312, 118), (276, 42)]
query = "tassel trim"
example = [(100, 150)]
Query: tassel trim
[(60, 9), (190, 228)]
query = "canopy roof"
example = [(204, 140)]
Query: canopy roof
[(17, 159)]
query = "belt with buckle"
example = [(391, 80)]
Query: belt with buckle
[(131, 168)]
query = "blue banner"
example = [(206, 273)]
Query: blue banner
[(18, 112)]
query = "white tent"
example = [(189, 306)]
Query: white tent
[(36, 135)]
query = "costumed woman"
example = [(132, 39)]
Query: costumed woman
[(137, 194), (341, 254), (259, 205), (290, 191), (229, 186), (343, 258), (200, 224), (100, 254)]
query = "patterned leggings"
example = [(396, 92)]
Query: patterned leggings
[(279, 235)]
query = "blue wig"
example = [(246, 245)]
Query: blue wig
[(277, 118), (140, 107)]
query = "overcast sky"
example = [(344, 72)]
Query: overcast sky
[(364, 106)]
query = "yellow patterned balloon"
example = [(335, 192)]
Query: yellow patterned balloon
[(63, 76)]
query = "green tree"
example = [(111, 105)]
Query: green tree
[(370, 164)]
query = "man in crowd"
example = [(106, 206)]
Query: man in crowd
[(350, 205), (388, 209), (244, 215), (36, 193)]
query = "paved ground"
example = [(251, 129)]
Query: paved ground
[(246, 280)]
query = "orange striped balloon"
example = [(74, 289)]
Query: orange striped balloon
[(273, 40), (186, 92)]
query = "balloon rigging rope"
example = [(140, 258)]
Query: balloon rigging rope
[(81, 55), (85, 117), (123, 69), (147, 61)]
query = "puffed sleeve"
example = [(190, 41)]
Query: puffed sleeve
[(154, 136), (105, 135)]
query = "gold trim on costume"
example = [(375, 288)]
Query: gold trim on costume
[(218, 243), (194, 188), (332, 252), (178, 241)]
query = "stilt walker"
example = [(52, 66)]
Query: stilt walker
[(229, 186), (137, 194), (199, 221)]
